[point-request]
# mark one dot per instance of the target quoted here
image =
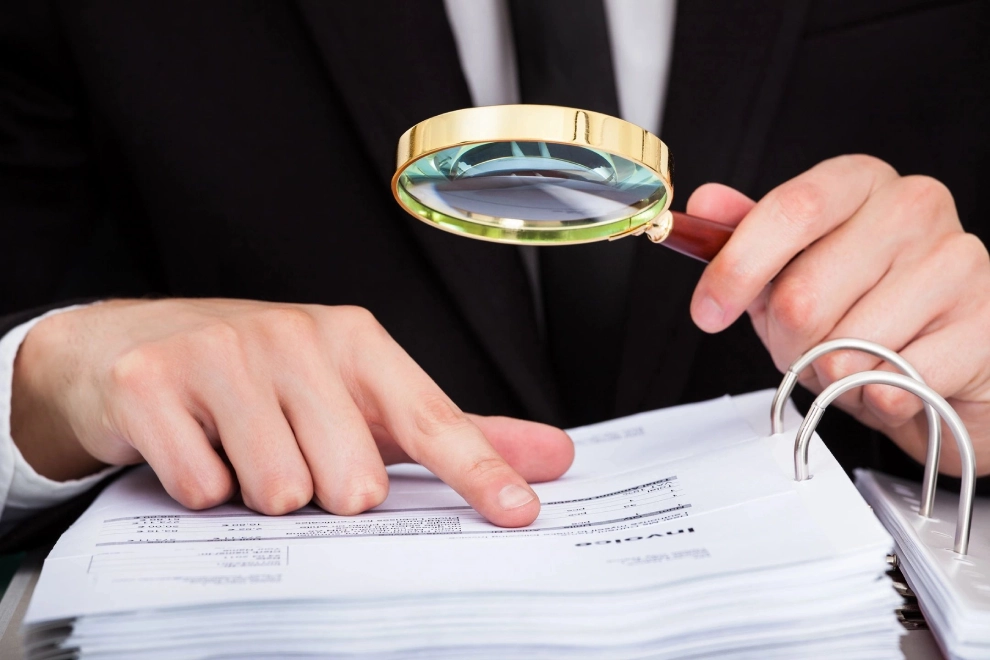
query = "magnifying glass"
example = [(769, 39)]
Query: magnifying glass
[(545, 175)]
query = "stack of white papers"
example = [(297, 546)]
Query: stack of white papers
[(953, 590), (676, 533)]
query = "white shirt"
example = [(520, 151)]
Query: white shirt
[(641, 34)]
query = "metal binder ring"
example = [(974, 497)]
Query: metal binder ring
[(884, 353), (927, 394)]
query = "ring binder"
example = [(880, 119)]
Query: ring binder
[(884, 353), (927, 394), (952, 590)]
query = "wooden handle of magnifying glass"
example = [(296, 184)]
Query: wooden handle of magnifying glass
[(696, 237)]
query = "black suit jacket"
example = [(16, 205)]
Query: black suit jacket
[(244, 149)]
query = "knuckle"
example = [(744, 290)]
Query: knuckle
[(801, 203), (139, 370), (435, 415), (859, 162), (355, 316), (219, 340), (280, 495), (359, 324), (836, 366), (892, 403), (197, 491), (482, 468), (360, 494), (924, 192), (961, 257), (794, 308), (288, 323), (971, 251)]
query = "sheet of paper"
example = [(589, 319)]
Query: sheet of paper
[(651, 499)]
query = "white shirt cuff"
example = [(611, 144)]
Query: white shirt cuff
[(22, 490)]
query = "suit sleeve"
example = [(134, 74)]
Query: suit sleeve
[(48, 201)]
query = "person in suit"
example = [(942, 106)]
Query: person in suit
[(271, 322)]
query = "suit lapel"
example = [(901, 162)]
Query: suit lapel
[(392, 74), (728, 71)]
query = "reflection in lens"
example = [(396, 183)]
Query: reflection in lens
[(531, 184)]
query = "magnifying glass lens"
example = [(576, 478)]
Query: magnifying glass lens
[(529, 191)]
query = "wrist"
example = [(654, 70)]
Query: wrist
[(39, 425)]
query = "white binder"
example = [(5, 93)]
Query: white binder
[(953, 590), (944, 557)]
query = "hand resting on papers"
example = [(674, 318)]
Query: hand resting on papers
[(852, 249), (290, 403)]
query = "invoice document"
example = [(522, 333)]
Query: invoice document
[(689, 502)]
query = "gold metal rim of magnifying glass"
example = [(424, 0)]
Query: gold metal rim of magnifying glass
[(542, 123)]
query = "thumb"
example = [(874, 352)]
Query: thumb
[(719, 203), (726, 206), (538, 452)]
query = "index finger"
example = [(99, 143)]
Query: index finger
[(782, 224), (434, 432)]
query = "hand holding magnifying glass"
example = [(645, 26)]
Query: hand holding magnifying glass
[(847, 249)]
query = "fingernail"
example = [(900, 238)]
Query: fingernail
[(513, 497), (710, 314)]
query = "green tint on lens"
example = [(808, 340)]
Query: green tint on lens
[(532, 192)]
